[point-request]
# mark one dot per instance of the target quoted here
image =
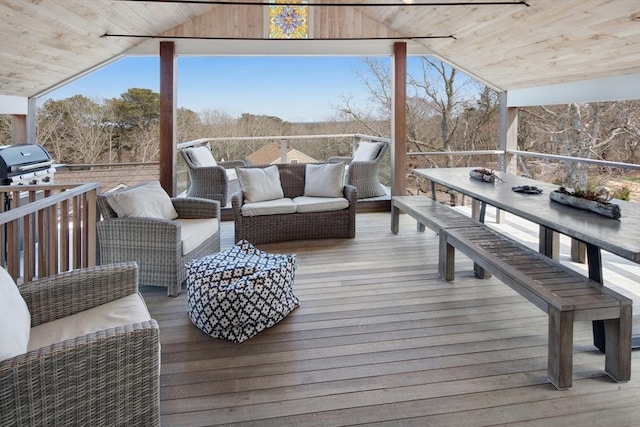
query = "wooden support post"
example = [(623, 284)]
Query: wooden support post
[(18, 129), (167, 137), (399, 120)]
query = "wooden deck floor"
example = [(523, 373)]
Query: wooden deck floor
[(380, 340)]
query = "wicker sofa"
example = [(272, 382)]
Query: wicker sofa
[(299, 225), (108, 375)]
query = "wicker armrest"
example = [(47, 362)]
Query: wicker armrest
[(351, 194), (106, 378), (237, 199), (338, 159), (64, 294), (230, 164), (215, 175), (194, 207), (133, 231)]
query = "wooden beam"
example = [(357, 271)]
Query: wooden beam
[(167, 137), (18, 129), (399, 120)]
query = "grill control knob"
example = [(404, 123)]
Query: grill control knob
[(33, 182), (46, 179)]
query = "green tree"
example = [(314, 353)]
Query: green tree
[(136, 124)]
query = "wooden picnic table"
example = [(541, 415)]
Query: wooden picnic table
[(597, 232)]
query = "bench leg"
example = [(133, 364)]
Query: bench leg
[(618, 351), (446, 258), (480, 272), (560, 359)]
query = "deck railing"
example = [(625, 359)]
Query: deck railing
[(47, 229)]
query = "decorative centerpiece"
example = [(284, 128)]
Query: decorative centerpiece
[(484, 175), (587, 200)]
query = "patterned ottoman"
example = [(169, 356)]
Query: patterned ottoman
[(239, 292)]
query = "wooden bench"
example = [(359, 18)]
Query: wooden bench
[(566, 295), (437, 217)]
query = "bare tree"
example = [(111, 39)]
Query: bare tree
[(581, 130), (77, 129)]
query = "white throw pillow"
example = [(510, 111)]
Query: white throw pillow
[(326, 180), (149, 200), (367, 151), (201, 156), (15, 320), (260, 184)]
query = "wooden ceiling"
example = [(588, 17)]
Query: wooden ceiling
[(509, 46)]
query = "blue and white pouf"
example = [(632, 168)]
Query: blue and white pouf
[(239, 292)]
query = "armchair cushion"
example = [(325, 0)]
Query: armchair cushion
[(260, 184), (201, 156), (15, 320), (123, 311), (195, 232), (149, 201), (324, 180), (367, 151)]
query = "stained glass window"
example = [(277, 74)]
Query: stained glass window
[(288, 19)]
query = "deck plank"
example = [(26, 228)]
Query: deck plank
[(380, 340)]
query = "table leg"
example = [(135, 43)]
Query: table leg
[(594, 258), (578, 251), (478, 210), (433, 190), (549, 243)]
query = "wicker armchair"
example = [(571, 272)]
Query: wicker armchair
[(107, 378), (364, 174), (211, 182), (154, 243)]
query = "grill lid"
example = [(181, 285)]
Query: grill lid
[(23, 158)]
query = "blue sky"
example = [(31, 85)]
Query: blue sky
[(292, 88)]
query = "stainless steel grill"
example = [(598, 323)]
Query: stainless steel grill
[(25, 164)]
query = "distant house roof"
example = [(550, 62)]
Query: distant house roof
[(270, 154)]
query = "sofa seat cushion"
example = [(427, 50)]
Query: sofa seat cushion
[(196, 231), (270, 207), (123, 311), (306, 204)]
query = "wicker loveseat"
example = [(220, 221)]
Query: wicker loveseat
[(92, 351), (294, 226)]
